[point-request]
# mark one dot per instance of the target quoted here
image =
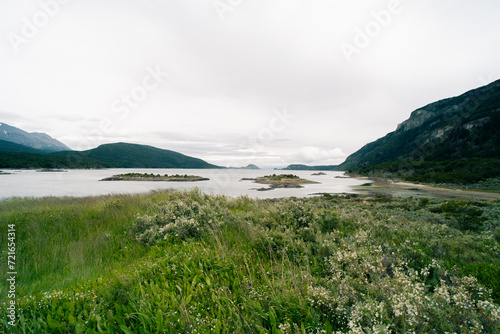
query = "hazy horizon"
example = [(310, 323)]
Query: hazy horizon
[(270, 83)]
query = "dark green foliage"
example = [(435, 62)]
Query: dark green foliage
[(382, 198), (423, 202), (50, 161), (8, 146), (153, 177), (146, 175), (488, 184), (466, 215), (120, 155), (279, 177), (496, 234), (123, 155), (315, 168), (463, 171)]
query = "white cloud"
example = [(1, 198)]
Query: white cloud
[(317, 156), (227, 76)]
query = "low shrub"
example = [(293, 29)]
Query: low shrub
[(464, 215), (183, 262)]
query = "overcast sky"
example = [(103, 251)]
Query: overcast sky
[(269, 82)]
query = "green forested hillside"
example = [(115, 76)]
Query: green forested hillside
[(8, 146), (143, 156), (454, 140), (119, 155)]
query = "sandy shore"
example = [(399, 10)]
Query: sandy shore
[(420, 190)]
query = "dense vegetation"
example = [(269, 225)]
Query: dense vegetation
[(183, 262), (37, 161), (119, 155), (151, 175), (8, 146), (154, 177), (280, 177), (477, 172), (304, 167)]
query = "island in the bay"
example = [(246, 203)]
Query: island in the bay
[(153, 177), (280, 181)]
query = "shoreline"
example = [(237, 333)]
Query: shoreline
[(386, 186)]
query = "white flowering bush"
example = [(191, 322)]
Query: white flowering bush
[(374, 287), (183, 218)]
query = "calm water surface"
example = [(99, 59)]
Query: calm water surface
[(30, 183)]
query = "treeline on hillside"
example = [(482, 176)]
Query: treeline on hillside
[(462, 171), (32, 160), (117, 155)]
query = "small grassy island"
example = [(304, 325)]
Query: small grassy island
[(280, 181), (318, 173), (4, 173), (153, 177)]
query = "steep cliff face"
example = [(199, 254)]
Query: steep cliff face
[(465, 126), (417, 118)]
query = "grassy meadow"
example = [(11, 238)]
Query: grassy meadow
[(184, 262)]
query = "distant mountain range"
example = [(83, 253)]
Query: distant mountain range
[(119, 155), (36, 140)]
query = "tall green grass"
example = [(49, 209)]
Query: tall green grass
[(60, 240), (184, 262)]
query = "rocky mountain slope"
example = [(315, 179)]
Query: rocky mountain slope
[(37, 140), (462, 127)]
